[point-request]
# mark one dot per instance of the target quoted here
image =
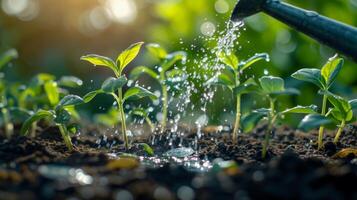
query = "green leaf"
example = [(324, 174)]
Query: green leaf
[(139, 112), (312, 109), (221, 79), (103, 61), (41, 78), (250, 121), (70, 81), (8, 56), (248, 86), (70, 100), (90, 96), (157, 51), (41, 114), (172, 58), (52, 92), (287, 91), (128, 55), (343, 107), (138, 93), (257, 57), (113, 84), (331, 69), (271, 84), (310, 75), (62, 116), (147, 149), (137, 71), (229, 59), (312, 121)]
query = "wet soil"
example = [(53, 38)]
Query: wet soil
[(293, 169)]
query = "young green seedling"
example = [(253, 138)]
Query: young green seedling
[(4, 60), (60, 115), (165, 73), (342, 112), (44, 92), (271, 87), (231, 77), (323, 79), (114, 86)]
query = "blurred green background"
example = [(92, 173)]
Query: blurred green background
[(52, 35)]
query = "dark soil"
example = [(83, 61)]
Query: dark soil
[(293, 169)]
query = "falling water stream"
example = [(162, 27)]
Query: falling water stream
[(186, 156)]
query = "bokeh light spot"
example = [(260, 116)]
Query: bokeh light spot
[(221, 6), (121, 11), (208, 28)]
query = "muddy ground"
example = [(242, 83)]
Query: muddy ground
[(42, 168)]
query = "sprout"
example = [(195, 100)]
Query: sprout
[(323, 79), (164, 75), (341, 113), (61, 115), (43, 92), (272, 87), (114, 85), (231, 77)]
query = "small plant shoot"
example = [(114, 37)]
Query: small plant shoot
[(231, 77), (164, 74), (61, 116), (323, 79), (114, 85), (272, 87), (341, 114)]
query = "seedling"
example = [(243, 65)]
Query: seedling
[(44, 92), (4, 60), (61, 116), (231, 78), (271, 87), (114, 86), (164, 74), (341, 112), (323, 79)]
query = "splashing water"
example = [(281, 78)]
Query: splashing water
[(199, 69)]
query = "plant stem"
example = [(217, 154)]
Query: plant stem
[(238, 118), (122, 117), (339, 131), (9, 127), (65, 135), (271, 121), (321, 130), (164, 107), (149, 122), (33, 129)]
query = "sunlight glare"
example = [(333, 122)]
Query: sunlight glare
[(121, 11)]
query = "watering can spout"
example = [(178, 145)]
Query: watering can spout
[(334, 34)]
